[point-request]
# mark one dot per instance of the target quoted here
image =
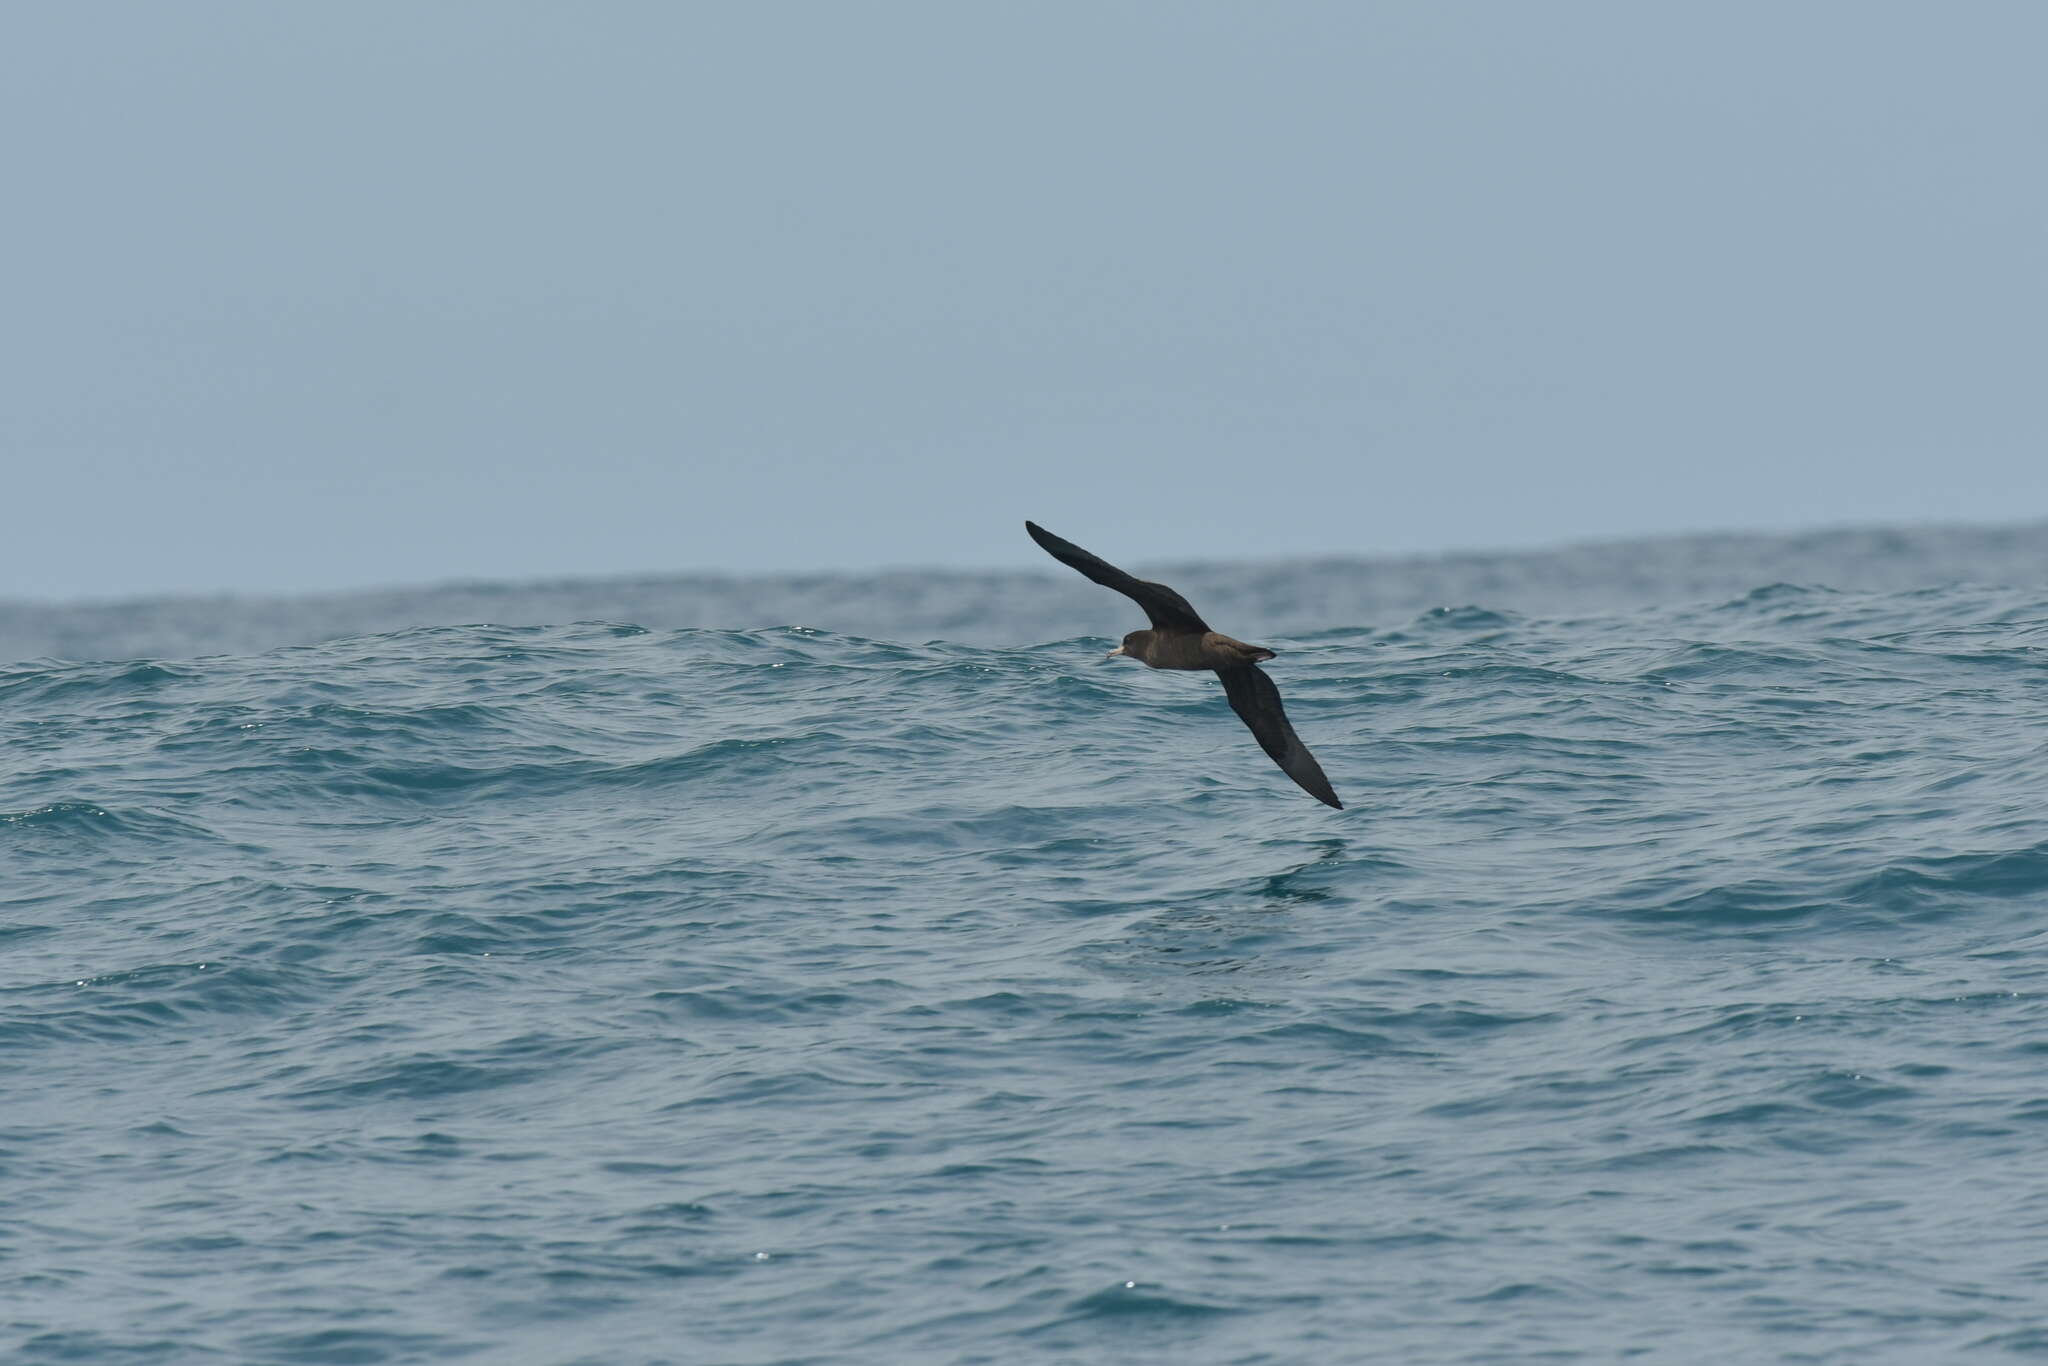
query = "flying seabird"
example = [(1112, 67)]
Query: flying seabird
[(1180, 639)]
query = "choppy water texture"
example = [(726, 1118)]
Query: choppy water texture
[(583, 993)]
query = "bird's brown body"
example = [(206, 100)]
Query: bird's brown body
[(1190, 650)]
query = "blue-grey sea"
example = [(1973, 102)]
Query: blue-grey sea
[(865, 969)]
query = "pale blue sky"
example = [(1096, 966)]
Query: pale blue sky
[(318, 296)]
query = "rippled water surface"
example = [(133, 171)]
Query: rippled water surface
[(1671, 991)]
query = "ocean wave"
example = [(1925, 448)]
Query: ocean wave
[(460, 988)]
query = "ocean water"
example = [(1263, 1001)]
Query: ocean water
[(598, 992)]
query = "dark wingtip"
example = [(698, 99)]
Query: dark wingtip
[(1047, 542)]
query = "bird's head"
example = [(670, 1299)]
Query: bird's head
[(1131, 645)]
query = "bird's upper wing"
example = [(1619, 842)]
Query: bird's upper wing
[(1167, 610), (1254, 698)]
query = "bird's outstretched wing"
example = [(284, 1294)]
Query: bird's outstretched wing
[(1254, 698), (1166, 609)]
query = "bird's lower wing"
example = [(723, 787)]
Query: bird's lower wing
[(1254, 698), (1166, 609)]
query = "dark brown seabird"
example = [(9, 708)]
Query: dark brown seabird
[(1180, 639)]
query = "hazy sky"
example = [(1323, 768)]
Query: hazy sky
[(304, 296)]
